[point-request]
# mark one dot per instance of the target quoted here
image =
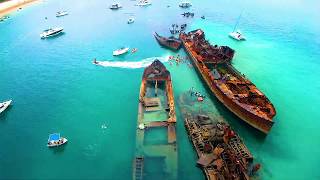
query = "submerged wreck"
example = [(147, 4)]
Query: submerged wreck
[(221, 152), (232, 89), (156, 112)]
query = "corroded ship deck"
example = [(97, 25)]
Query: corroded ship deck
[(221, 152), (232, 89), (156, 117)]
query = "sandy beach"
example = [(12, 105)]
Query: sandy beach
[(13, 5)]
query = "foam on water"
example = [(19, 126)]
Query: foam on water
[(130, 64)]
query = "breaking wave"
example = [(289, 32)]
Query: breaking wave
[(131, 64)]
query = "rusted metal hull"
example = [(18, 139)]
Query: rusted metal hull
[(165, 43), (255, 121)]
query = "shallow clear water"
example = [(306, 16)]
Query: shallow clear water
[(55, 87)]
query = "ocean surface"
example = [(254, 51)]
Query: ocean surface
[(56, 88)]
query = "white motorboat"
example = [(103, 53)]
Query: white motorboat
[(51, 32), (4, 105), (115, 6), (55, 140), (130, 20), (237, 35), (120, 51), (61, 13), (185, 4), (143, 3)]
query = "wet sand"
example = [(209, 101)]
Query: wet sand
[(10, 6)]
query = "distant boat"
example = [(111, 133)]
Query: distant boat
[(130, 20), (185, 4), (120, 51), (55, 140), (115, 6), (51, 32), (171, 42), (61, 13), (236, 34), (4, 18), (143, 3), (4, 105)]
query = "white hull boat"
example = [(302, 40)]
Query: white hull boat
[(4, 105), (237, 36), (143, 3), (120, 51), (61, 13), (55, 140), (185, 4), (130, 20), (51, 32)]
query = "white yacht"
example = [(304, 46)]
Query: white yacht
[(4, 105), (51, 32), (55, 140), (61, 13), (185, 4), (120, 51), (131, 20), (143, 3), (115, 6), (237, 35)]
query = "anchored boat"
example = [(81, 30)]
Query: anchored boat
[(115, 6), (4, 105), (171, 42), (61, 13), (120, 51), (232, 89), (55, 140), (185, 4), (51, 32), (236, 34), (143, 3), (156, 112)]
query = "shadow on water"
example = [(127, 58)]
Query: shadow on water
[(58, 149), (4, 114)]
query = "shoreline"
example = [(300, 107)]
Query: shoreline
[(8, 7)]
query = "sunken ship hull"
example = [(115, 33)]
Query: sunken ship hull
[(262, 123), (170, 43), (156, 111)]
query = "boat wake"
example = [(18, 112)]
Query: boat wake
[(130, 64)]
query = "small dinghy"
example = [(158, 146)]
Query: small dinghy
[(120, 51), (4, 105), (130, 20), (61, 13), (55, 140)]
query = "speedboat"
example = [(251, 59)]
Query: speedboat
[(115, 6), (143, 3), (130, 20), (185, 4), (55, 140), (120, 51), (61, 13), (51, 32), (4, 105), (237, 35)]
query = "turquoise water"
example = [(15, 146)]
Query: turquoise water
[(55, 87)]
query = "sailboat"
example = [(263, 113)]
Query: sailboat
[(236, 34)]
